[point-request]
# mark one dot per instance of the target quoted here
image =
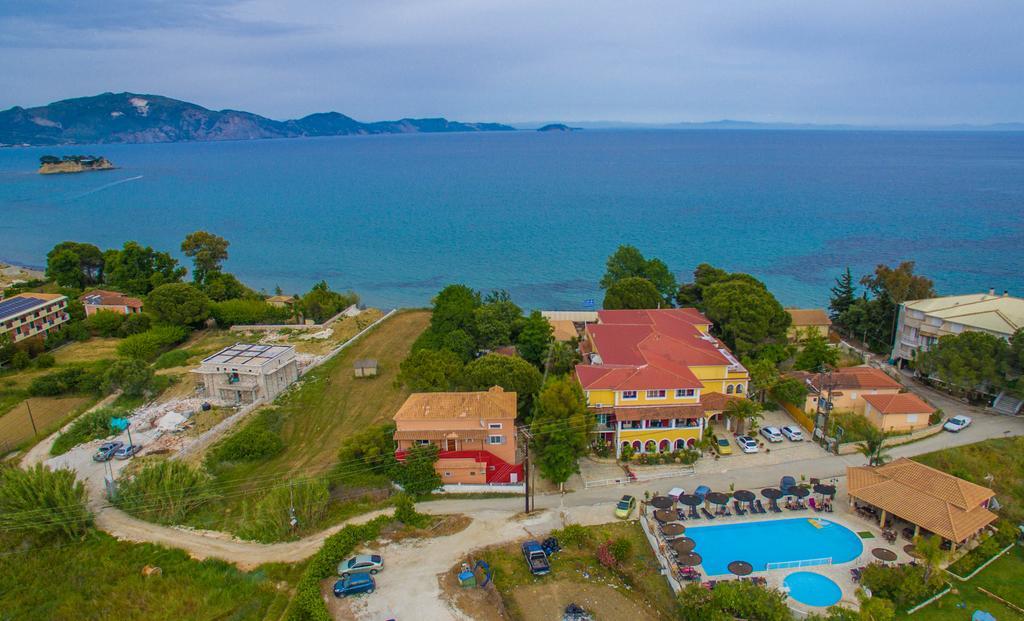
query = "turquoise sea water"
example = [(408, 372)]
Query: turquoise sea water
[(773, 541), (397, 217)]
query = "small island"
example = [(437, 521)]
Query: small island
[(51, 164), (558, 127)]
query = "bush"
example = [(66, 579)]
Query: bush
[(45, 361), (171, 359), (936, 417), (71, 331), (258, 439), (165, 492), (977, 557), (43, 502), (405, 512), (104, 323), (149, 344), (20, 360), (904, 585), (368, 452), (132, 377), (268, 519), (621, 549), (136, 323), (626, 453), (240, 312), (89, 426), (572, 535), (73, 379), (732, 599)]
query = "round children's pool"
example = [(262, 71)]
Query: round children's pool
[(812, 589)]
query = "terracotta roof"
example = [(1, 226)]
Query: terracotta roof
[(431, 434), (99, 297), (936, 501), (900, 403), (716, 401), (564, 330), (645, 377), (281, 299), (458, 406), (809, 317), (658, 412), (850, 378)]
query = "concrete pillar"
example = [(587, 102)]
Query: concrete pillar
[(917, 530), (881, 520)]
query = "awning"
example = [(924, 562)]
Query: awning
[(461, 434)]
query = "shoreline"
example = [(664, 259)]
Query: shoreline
[(11, 271)]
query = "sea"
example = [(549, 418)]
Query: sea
[(397, 217)]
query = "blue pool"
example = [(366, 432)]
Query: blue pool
[(777, 541), (812, 589)]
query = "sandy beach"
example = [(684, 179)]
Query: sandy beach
[(11, 274)]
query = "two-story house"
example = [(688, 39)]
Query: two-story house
[(248, 373), (27, 315), (655, 378), (475, 433)]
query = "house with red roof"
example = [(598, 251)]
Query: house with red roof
[(903, 411), (655, 378)]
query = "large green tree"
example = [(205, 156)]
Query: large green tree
[(632, 293), (872, 317), (969, 361), (628, 262), (844, 294), (416, 474), (535, 339), (454, 309), (816, 353), (560, 429), (131, 376), (764, 375), (178, 304), (511, 373), (743, 412), (746, 314), (789, 390), (75, 264), (692, 293), (140, 269), (321, 303), (429, 370), (207, 251)]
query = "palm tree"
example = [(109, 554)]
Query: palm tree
[(743, 410), (873, 447), (931, 553)]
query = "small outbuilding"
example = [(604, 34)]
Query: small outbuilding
[(365, 367)]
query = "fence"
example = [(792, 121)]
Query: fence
[(683, 471), (473, 488), (810, 562), (849, 448), (799, 416)]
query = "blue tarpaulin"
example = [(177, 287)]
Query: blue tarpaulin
[(981, 615), (120, 424)]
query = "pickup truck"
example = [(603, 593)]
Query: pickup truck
[(536, 559)]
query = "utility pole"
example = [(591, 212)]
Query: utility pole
[(32, 420), (526, 466), (294, 521)]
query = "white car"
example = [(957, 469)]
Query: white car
[(957, 423), (746, 444), (791, 432), (771, 434)]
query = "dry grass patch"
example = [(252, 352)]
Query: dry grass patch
[(47, 412)]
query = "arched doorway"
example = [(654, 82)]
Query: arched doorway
[(664, 446), (680, 444), (650, 446)]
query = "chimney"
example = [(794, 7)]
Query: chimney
[(991, 290)]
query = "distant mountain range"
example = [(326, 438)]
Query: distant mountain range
[(731, 124), (135, 118)]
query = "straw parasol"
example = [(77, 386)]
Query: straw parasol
[(690, 500), (771, 493), (689, 559), (673, 530), (884, 554), (683, 545), (741, 568), (799, 492), (661, 502), (911, 550), (664, 515), (718, 498), (744, 495), (825, 490)]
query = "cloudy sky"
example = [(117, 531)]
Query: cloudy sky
[(869, 61)]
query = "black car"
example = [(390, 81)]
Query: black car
[(106, 451)]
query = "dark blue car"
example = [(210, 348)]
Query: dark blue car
[(354, 583)]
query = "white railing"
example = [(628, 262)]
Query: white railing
[(810, 562), (683, 471)]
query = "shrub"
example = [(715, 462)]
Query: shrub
[(572, 535), (405, 512), (149, 344), (20, 360), (136, 323), (904, 585), (238, 312), (732, 599), (45, 361), (258, 439), (104, 323), (604, 555), (621, 549), (627, 453), (988, 548), (132, 377), (43, 502), (89, 426), (173, 358), (268, 519), (70, 379), (370, 451), (936, 417), (165, 491)]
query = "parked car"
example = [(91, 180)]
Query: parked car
[(957, 423), (536, 558), (353, 584), (746, 444), (722, 446), (791, 432), (361, 564), (127, 451), (106, 451), (625, 507), (771, 434)]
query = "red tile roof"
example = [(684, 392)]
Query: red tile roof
[(900, 403), (99, 297), (850, 378)]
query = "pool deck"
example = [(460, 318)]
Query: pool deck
[(839, 573)]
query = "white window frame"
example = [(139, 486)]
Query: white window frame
[(490, 439), (626, 397), (494, 425), (685, 393), (664, 394)]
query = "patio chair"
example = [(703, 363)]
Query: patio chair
[(693, 513), (758, 507), (736, 507), (706, 513), (775, 507), (681, 514)]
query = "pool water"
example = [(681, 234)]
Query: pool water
[(812, 589), (774, 541)]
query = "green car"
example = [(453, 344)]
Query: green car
[(625, 507)]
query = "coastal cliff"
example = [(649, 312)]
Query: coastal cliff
[(134, 118), (50, 165)]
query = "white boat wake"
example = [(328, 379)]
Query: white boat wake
[(105, 187)]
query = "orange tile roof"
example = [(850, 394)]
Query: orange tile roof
[(458, 406), (809, 317), (564, 330), (716, 401), (49, 297), (936, 501), (850, 378), (899, 403), (99, 297)]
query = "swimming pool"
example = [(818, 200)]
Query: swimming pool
[(812, 589), (782, 542)]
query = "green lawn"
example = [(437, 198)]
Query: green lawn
[(101, 578), (1005, 578)]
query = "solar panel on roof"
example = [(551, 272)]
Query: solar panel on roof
[(9, 308)]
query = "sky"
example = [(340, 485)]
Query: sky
[(875, 62)]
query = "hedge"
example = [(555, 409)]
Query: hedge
[(307, 605), (247, 312), (149, 344)]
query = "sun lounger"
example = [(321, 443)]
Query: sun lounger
[(775, 507), (681, 515), (707, 513), (693, 513), (736, 506)]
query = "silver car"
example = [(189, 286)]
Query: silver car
[(791, 432), (771, 434), (361, 564)]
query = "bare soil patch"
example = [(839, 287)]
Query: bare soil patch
[(548, 601)]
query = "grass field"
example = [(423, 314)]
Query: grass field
[(1003, 578), (638, 579), (101, 578), (47, 412), (329, 405)]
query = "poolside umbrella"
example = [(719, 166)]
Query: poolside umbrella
[(690, 500), (911, 550), (661, 502), (664, 515), (825, 490), (799, 492), (683, 545), (673, 530), (689, 559), (718, 498), (772, 494), (741, 568), (744, 495), (884, 554)]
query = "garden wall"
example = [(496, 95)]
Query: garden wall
[(849, 448)]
